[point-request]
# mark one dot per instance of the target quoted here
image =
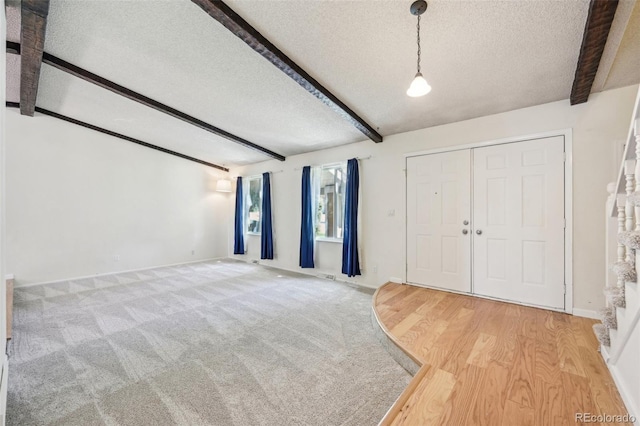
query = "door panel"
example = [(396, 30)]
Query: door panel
[(438, 201), (519, 212)]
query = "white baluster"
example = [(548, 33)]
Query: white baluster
[(620, 204), (629, 166), (611, 232)]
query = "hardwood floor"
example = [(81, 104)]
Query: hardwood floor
[(492, 363)]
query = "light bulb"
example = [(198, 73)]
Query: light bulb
[(419, 87)]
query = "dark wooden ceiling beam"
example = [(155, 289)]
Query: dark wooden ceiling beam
[(32, 32), (144, 100), (117, 135), (222, 13), (596, 32)]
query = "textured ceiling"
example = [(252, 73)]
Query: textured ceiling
[(176, 54), (67, 95), (480, 57), (13, 78), (625, 69), (13, 21), (75, 98)]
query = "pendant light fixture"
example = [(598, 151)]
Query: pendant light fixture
[(419, 86)]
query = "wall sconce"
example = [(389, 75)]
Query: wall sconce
[(223, 185)]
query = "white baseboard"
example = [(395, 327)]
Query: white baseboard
[(18, 284), (312, 272), (395, 280), (586, 313)]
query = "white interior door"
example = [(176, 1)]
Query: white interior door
[(438, 204), (518, 213)]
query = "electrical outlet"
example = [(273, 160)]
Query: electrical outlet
[(375, 269), (116, 258)]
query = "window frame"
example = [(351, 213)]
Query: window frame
[(247, 199), (316, 201)]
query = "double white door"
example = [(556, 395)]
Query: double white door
[(489, 221)]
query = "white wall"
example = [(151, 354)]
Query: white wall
[(599, 126), (77, 198)]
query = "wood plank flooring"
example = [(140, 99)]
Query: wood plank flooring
[(492, 363)]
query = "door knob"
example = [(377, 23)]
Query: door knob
[(465, 232), (479, 232), (465, 222)]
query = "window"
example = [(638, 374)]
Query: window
[(330, 201), (254, 205)]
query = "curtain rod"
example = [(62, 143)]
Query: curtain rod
[(337, 162), (259, 174), (300, 168)]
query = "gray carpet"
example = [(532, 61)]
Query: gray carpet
[(218, 343)]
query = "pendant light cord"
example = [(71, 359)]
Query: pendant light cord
[(418, 43)]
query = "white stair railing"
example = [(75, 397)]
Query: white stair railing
[(619, 333), (633, 198)]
